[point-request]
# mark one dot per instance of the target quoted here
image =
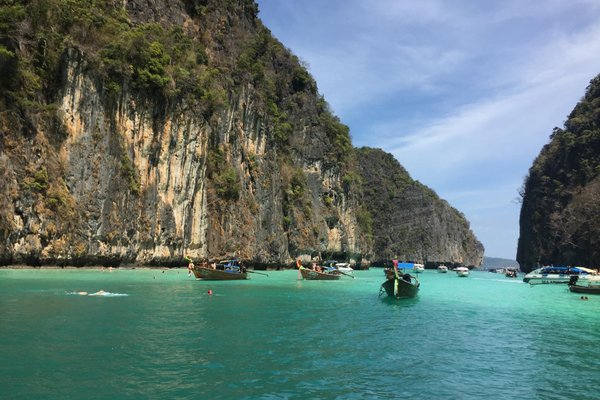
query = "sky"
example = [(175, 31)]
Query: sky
[(463, 93)]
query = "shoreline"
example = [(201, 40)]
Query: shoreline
[(101, 268), (98, 267)]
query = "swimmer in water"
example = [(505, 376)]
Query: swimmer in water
[(210, 292)]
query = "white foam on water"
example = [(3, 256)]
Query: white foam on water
[(99, 293)]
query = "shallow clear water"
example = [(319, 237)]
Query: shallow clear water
[(280, 338)]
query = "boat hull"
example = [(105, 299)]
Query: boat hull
[(210, 274), (593, 289), (539, 280), (558, 275), (313, 275), (462, 272), (403, 290)]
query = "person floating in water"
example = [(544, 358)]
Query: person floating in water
[(210, 292)]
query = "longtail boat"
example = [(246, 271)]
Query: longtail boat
[(590, 289), (227, 270), (324, 275), (589, 286), (399, 285)]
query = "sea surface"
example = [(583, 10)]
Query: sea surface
[(158, 334)]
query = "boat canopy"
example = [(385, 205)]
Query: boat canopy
[(566, 270), (404, 265), (588, 270)]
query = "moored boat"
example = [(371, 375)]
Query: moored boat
[(545, 275), (227, 270), (419, 268), (587, 286), (400, 285), (589, 289), (340, 266), (442, 269), (462, 272), (319, 275), (510, 273)]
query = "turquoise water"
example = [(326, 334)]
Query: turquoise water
[(164, 337)]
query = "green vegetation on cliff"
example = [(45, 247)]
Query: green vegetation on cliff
[(408, 220), (137, 131), (560, 214), (160, 64)]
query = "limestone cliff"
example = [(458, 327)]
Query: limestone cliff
[(410, 221), (124, 156), (560, 213), (142, 131)]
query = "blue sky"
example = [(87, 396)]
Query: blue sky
[(463, 93)]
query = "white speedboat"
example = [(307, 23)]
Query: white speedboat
[(442, 269), (462, 271), (551, 274), (419, 268), (340, 266), (344, 267)]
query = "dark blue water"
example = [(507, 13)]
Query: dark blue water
[(163, 336)]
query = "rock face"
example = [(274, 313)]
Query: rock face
[(560, 213), (410, 221), (177, 128), (130, 165)]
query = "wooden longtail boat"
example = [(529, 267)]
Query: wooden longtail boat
[(311, 274), (591, 289), (398, 285), (591, 286), (224, 271)]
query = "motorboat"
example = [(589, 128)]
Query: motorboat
[(510, 273), (462, 272), (442, 269), (551, 274), (343, 267), (419, 268)]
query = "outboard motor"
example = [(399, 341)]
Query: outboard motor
[(573, 280)]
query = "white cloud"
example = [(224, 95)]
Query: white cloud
[(510, 126), (464, 94)]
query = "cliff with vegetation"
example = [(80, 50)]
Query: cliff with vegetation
[(560, 213), (411, 222), (139, 132)]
